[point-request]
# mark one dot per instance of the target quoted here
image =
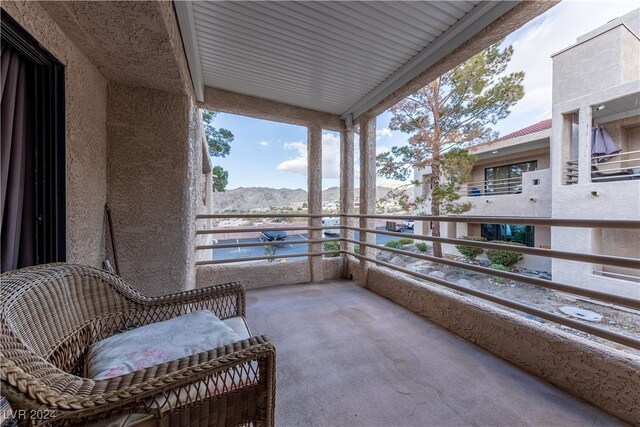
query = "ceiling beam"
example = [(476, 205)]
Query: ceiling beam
[(186, 21), (259, 108)]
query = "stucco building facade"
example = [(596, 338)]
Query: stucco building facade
[(596, 82)]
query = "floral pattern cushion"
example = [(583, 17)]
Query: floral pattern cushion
[(158, 343)]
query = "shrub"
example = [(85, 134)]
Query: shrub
[(505, 258), (405, 241), (395, 244), (501, 268), (471, 252), (331, 246), (422, 247), (270, 250), (356, 249)]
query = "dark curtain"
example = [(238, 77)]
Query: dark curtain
[(17, 238)]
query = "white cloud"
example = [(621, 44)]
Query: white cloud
[(546, 35), (383, 133), (297, 164), (264, 143), (330, 157)]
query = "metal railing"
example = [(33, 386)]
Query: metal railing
[(364, 255), (493, 187), (261, 242), (623, 166)]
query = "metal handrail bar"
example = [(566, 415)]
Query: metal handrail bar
[(271, 243), (615, 162), (548, 284), (617, 275), (614, 174), (497, 180), (622, 153), (224, 216), (545, 253), (493, 192), (503, 186), (594, 330), (556, 222), (248, 230), (609, 170), (260, 258)]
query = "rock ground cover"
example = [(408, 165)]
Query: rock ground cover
[(619, 319)]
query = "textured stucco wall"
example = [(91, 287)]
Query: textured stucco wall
[(577, 70), (86, 140), (154, 162), (263, 275), (604, 377), (132, 42)]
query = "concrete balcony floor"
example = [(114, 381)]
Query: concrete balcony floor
[(349, 357)]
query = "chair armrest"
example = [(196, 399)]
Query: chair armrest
[(226, 300), (69, 397)]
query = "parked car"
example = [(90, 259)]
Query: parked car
[(328, 221), (274, 235), (407, 224)]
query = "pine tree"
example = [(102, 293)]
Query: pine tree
[(454, 111), (219, 142)]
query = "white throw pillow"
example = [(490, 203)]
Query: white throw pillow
[(157, 343)]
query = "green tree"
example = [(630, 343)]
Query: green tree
[(454, 111), (220, 178), (219, 142)]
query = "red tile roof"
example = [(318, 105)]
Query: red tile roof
[(540, 126)]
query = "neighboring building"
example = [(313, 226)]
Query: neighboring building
[(596, 82), (511, 177)]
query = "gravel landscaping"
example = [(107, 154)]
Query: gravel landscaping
[(619, 319)]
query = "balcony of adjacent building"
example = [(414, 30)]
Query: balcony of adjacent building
[(614, 144), (511, 175)]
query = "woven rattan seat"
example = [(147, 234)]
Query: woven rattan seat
[(50, 316)]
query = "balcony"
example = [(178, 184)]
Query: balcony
[(371, 350), (370, 341), (526, 195), (347, 356), (624, 166)]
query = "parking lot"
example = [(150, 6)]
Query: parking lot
[(292, 245)]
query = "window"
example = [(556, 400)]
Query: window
[(509, 232), (507, 179), (33, 220)]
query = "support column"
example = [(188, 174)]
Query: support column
[(367, 190), (314, 185), (346, 191), (584, 144)]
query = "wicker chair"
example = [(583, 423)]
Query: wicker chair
[(51, 314)]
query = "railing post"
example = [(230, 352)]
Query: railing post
[(314, 185), (367, 190), (346, 190), (584, 145)]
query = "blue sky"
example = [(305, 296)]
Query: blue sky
[(269, 154)]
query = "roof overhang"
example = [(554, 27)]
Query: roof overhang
[(341, 58), (520, 144)]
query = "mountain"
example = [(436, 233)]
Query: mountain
[(263, 198)]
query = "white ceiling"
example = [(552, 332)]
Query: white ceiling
[(339, 57)]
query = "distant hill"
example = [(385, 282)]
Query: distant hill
[(263, 198)]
